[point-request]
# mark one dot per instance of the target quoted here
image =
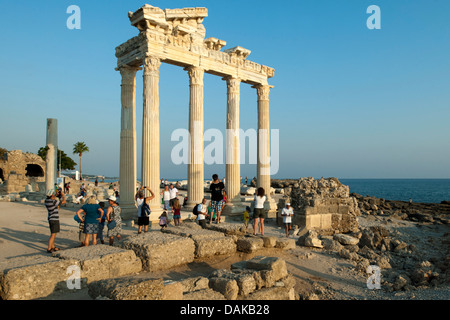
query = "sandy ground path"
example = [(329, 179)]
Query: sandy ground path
[(24, 231)]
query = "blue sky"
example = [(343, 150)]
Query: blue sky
[(349, 102)]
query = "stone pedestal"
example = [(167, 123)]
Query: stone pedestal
[(127, 175), (150, 134), (196, 127)]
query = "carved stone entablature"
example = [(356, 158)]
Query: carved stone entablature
[(148, 17), (238, 52), (214, 44), (177, 36), (186, 15)]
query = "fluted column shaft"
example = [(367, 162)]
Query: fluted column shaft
[(232, 167), (196, 126), (51, 160), (263, 162), (127, 174), (150, 131)]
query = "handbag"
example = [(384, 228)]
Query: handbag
[(76, 218), (112, 224)]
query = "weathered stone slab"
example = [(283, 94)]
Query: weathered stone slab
[(249, 244), (228, 228), (226, 286), (136, 288), (273, 293), (285, 243), (345, 239), (32, 277), (160, 251), (204, 294), (276, 265), (207, 243), (269, 242), (102, 261), (195, 284)]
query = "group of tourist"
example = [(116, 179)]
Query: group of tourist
[(93, 216)]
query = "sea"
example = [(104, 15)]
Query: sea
[(418, 190)]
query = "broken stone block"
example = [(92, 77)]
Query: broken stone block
[(102, 261), (345, 239), (285, 244), (204, 294), (207, 243), (135, 288), (227, 287), (246, 284), (274, 293), (250, 244), (275, 264), (269, 242), (160, 251), (31, 277), (194, 284)]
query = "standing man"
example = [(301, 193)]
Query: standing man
[(287, 214), (201, 213), (143, 207), (52, 205), (216, 188), (173, 195)]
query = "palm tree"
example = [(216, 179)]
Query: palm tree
[(80, 148)]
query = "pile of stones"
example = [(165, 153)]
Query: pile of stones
[(323, 205), (436, 213), (402, 266), (260, 278)]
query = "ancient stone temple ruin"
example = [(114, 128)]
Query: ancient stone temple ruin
[(18, 170), (323, 205), (177, 37)]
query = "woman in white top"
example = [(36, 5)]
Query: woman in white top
[(259, 213), (143, 218)]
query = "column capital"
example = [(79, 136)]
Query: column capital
[(151, 66), (263, 91), (195, 75), (233, 84), (128, 73)]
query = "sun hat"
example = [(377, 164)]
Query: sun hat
[(288, 204), (112, 198)]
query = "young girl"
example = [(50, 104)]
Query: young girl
[(177, 212), (163, 221)]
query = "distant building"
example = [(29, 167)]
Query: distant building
[(19, 169)]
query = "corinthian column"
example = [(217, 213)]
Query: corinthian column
[(233, 165), (127, 175), (195, 165), (263, 162), (150, 133)]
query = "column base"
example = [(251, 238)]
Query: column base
[(129, 211), (156, 213), (271, 208), (234, 209)]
